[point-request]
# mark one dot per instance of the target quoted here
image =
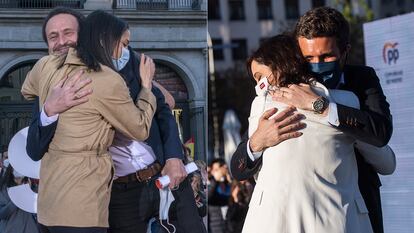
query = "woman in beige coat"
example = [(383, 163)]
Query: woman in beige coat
[(76, 173)]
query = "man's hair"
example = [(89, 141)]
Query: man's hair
[(62, 10), (324, 22), (282, 55), (99, 38)]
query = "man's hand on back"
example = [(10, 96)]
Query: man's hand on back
[(270, 132), (67, 93)]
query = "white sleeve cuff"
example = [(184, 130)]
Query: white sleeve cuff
[(333, 118), (45, 120), (253, 155)]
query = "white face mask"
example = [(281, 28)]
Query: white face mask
[(262, 87), (121, 62), (6, 163)]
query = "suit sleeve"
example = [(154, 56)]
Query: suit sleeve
[(371, 124), (168, 127), (39, 137), (241, 166)]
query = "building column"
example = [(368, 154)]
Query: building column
[(198, 112)]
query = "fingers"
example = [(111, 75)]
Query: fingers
[(142, 62), (291, 119), (62, 82), (79, 101), (83, 93), (268, 113), (74, 79), (282, 93), (285, 113), (291, 128), (287, 136), (80, 84)]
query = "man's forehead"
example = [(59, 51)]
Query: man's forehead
[(318, 44), (62, 22)]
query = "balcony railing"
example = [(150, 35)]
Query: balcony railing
[(41, 4), (157, 4)]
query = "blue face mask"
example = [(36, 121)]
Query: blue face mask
[(327, 73), (121, 62)]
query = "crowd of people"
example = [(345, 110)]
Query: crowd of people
[(228, 199)]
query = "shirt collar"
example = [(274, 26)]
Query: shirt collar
[(72, 58)]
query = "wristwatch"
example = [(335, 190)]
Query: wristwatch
[(320, 104)]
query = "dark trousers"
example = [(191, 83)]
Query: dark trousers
[(62, 229), (133, 204)]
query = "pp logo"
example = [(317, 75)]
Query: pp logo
[(390, 53)]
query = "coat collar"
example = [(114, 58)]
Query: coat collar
[(72, 58)]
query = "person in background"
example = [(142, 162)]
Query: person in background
[(13, 219), (219, 192), (241, 192)]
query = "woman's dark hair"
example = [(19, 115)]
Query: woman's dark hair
[(324, 22), (98, 39), (282, 54)]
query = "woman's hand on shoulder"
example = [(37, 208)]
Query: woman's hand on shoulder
[(146, 71)]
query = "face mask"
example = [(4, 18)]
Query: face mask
[(121, 62), (6, 163), (262, 87), (327, 73)]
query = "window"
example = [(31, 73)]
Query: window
[(292, 9), (264, 9), (239, 49), (218, 49), (11, 83), (213, 9), (236, 10), (318, 3)]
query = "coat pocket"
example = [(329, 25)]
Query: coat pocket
[(360, 203)]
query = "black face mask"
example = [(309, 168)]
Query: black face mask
[(327, 73)]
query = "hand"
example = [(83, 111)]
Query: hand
[(271, 132), (146, 71), (174, 168), (300, 96), (67, 94), (235, 193)]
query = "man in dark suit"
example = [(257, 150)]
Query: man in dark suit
[(135, 197), (323, 37)]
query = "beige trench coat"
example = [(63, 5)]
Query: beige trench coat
[(76, 173)]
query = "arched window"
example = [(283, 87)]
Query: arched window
[(171, 81), (15, 111)]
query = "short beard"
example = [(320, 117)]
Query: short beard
[(57, 49)]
